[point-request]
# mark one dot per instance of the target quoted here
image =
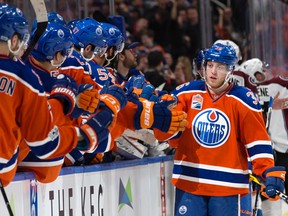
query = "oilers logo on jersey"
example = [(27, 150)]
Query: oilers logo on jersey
[(211, 128), (182, 209)]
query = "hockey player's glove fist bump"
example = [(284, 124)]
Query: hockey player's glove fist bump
[(86, 101), (96, 129), (275, 177), (135, 84), (113, 97), (64, 88), (160, 115)]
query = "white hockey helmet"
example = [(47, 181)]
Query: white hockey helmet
[(234, 45), (254, 66)]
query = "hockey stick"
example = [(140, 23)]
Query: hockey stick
[(6, 199), (283, 196), (42, 22), (255, 209)]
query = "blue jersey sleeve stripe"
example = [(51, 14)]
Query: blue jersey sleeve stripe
[(210, 174), (44, 151), (259, 149), (7, 166)]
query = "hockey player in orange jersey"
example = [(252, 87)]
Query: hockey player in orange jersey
[(84, 39), (51, 50), (24, 101), (225, 127)]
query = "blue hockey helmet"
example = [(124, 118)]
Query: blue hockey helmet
[(56, 18), (199, 58), (52, 17), (56, 38), (113, 36), (3, 5), (225, 54), (12, 21), (72, 23), (89, 31)]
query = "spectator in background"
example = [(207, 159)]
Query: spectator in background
[(159, 21), (179, 73), (169, 60), (147, 39), (142, 60), (185, 63), (193, 29), (140, 25), (225, 28), (68, 10), (179, 40), (159, 76)]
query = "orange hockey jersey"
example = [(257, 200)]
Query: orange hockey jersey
[(24, 116), (211, 154), (48, 169)]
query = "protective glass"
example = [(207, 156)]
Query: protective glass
[(100, 51), (120, 47), (68, 52)]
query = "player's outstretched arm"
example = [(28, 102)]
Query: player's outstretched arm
[(96, 130)]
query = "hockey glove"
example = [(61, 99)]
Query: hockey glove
[(113, 97), (148, 92), (95, 130), (86, 101), (158, 115), (75, 157), (64, 89), (275, 177), (137, 87)]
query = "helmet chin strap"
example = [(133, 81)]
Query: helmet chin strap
[(15, 53), (57, 65), (87, 59), (108, 60), (222, 87)]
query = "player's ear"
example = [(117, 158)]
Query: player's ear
[(15, 40), (88, 48), (121, 56), (58, 58)]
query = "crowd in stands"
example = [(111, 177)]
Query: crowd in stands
[(171, 27)]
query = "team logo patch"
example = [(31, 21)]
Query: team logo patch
[(75, 30), (182, 210), (54, 133), (60, 33), (197, 102), (98, 31), (112, 31), (211, 128)]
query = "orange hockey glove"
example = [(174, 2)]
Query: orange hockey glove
[(158, 115), (113, 97), (88, 100)]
